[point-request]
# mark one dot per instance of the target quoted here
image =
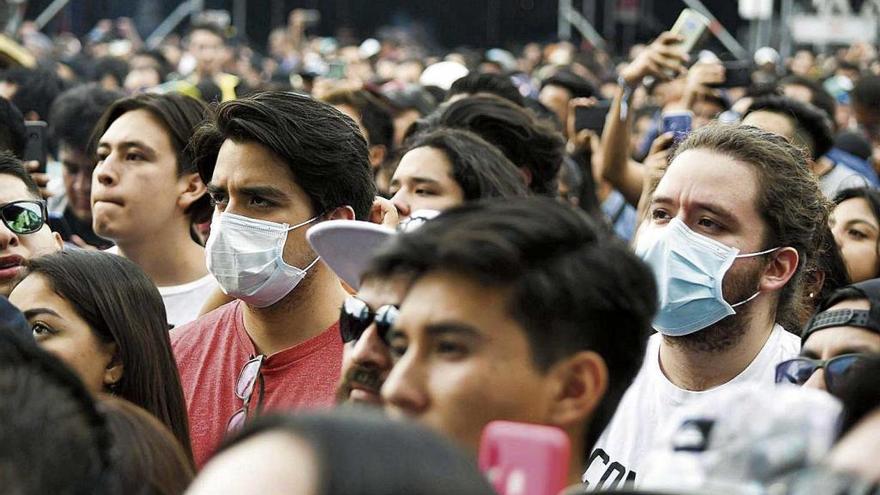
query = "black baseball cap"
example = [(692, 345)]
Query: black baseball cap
[(868, 319)]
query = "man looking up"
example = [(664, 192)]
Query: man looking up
[(24, 233), (729, 228), (521, 310), (275, 163)]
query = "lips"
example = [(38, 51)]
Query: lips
[(11, 267)]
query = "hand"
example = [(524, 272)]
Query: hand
[(658, 157), (383, 212), (703, 74), (80, 243), (662, 59), (577, 140), (41, 179)]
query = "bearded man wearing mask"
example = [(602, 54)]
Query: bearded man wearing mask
[(275, 164), (729, 228)]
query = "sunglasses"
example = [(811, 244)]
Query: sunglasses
[(356, 316), (244, 390), (24, 217), (800, 369)]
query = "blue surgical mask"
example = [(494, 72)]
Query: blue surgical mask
[(689, 269)]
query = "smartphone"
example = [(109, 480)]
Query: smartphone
[(336, 70), (678, 123), (592, 118), (737, 74), (37, 143), (692, 26), (525, 459)]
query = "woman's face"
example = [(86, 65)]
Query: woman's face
[(60, 330), (856, 231), (423, 180)]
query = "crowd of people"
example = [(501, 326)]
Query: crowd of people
[(332, 267)]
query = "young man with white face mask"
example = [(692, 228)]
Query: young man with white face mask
[(275, 164), (729, 228)]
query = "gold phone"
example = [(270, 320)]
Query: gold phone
[(691, 25)]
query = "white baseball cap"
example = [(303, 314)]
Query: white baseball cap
[(347, 246)]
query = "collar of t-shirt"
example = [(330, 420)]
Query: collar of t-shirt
[(674, 395), (281, 360)]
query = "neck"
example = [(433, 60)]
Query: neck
[(313, 306), (577, 463), (168, 258), (696, 369)]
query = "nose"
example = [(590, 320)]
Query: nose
[(7, 237), (83, 181), (404, 389), (370, 351), (104, 173), (401, 202), (817, 380)]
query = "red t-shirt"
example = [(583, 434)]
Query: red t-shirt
[(210, 353)]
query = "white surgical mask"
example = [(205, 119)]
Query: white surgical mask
[(245, 255)]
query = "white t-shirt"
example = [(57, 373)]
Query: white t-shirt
[(183, 302), (651, 401)]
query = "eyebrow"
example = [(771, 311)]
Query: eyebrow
[(853, 349), (40, 311), (268, 192), (453, 328), (131, 144), (716, 210), (417, 181), (859, 221)]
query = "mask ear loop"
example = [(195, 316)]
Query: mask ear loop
[(752, 255)]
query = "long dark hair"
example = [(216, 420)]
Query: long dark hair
[(180, 115), (121, 305), (478, 167)]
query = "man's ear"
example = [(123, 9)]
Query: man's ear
[(192, 189), (341, 213), (582, 380), (782, 267), (526, 175), (378, 153)]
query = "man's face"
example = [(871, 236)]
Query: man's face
[(143, 73), (556, 99), (78, 168), (135, 187), (367, 361), (771, 122), (251, 181), (837, 341), (423, 180), (17, 249), (208, 50), (462, 361), (715, 196)]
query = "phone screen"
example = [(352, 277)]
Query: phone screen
[(36, 144), (679, 123)]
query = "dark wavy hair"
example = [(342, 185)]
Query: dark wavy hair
[(477, 167), (122, 306)]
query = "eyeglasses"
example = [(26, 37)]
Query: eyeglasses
[(800, 369), (24, 217), (244, 390), (356, 316)]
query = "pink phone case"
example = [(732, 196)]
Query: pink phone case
[(525, 459)]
